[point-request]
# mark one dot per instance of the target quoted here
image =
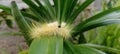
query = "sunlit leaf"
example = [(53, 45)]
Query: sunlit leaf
[(47, 45)]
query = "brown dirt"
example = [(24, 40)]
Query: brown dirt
[(11, 44)]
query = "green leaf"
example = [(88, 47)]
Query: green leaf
[(38, 2), (21, 22), (64, 9), (74, 15), (38, 12), (47, 45), (69, 48), (30, 16), (105, 48), (5, 8), (10, 34), (9, 23), (67, 51), (43, 11), (110, 16), (71, 7), (8, 10), (46, 4), (47, 11), (82, 38), (88, 50), (57, 4), (23, 52)]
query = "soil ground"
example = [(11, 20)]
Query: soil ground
[(11, 44)]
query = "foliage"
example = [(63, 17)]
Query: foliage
[(5, 17), (42, 12), (105, 35)]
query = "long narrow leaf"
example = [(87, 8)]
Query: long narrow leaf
[(88, 50), (46, 4), (10, 34), (72, 49), (38, 2), (5, 8), (71, 7), (65, 9), (80, 9), (57, 4), (35, 9), (22, 23), (30, 16), (107, 17), (8, 10), (19, 17), (102, 47)]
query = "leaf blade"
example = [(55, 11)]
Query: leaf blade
[(107, 17), (105, 48), (80, 9), (47, 45), (21, 22)]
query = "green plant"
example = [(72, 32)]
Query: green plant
[(52, 28), (4, 16), (105, 35)]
